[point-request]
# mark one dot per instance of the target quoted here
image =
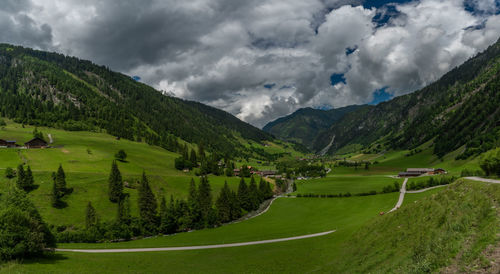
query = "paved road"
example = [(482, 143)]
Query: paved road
[(194, 247), (479, 179), (402, 193)]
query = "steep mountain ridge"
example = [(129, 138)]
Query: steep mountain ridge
[(306, 123), (51, 89), (461, 109)]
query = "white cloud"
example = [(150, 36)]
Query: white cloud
[(223, 52)]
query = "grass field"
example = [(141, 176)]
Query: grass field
[(287, 217), (343, 184)]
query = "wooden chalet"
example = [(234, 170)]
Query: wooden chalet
[(36, 143), (8, 143)]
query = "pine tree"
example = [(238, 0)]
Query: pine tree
[(269, 191), (115, 184), (194, 218), (124, 215), (172, 220), (60, 179), (205, 200), (235, 206), (254, 194), (223, 205), (90, 216), (21, 177), (163, 216), (55, 196), (193, 158), (243, 195), (147, 205), (262, 190), (29, 180)]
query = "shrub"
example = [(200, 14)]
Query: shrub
[(23, 233)]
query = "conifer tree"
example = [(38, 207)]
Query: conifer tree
[(172, 220), (163, 216), (269, 191), (124, 215), (115, 184), (223, 205), (90, 216), (29, 180), (193, 159), (243, 195), (262, 190), (21, 177), (201, 151), (60, 179), (194, 218), (235, 206), (205, 199), (254, 194), (55, 194), (147, 205)]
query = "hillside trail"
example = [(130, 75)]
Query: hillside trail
[(179, 248), (402, 193), (403, 189)]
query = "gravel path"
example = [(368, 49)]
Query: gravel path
[(194, 247), (50, 138), (402, 193)]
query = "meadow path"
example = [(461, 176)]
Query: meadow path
[(402, 193), (424, 190), (179, 248)]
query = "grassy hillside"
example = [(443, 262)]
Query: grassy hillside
[(49, 89), (86, 158), (449, 229)]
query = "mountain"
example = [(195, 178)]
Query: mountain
[(305, 124), (460, 110), (50, 89)]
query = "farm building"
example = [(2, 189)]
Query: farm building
[(36, 143), (7, 143), (415, 172)]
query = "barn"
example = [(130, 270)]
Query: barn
[(36, 143), (3, 143)]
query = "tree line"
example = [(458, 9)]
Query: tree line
[(157, 215)]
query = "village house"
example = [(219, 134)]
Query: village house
[(3, 143), (36, 143)]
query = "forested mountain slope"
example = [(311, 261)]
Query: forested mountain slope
[(462, 109), (305, 124), (50, 89)]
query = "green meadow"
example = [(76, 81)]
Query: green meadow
[(343, 184)]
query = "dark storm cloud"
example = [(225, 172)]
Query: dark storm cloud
[(225, 52)]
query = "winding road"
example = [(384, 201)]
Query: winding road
[(179, 248)]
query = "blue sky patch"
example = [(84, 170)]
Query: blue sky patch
[(269, 86), (368, 4), (349, 51), (136, 78), (337, 78), (380, 96)]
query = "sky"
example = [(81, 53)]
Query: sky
[(263, 59)]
